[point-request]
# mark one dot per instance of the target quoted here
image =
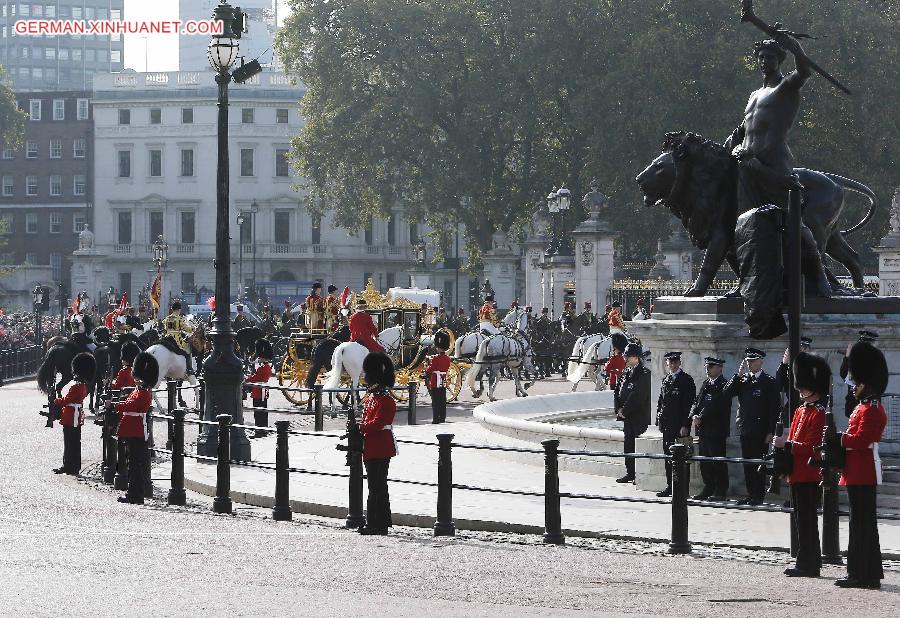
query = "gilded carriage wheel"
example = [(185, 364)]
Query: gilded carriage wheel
[(453, 382), (400, 392), (293, 374)]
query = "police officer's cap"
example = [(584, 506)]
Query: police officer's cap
[(673, 356), (442, 340), (712, 360), (754, 354), (633, 349), (868, 335)]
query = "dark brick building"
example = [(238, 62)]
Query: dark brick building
[(46, 183)]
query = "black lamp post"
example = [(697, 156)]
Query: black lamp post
[(37, 294), (241, 221), (61, 296), (110, 298), (222, 369), (254, 208), (558, 202)]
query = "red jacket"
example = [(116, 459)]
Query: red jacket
[(375, 426), (123, 379), (614, 368), (805, 436), (133, 414), (866, 426), (364, 332), (72, 414), (262, 374), (437, 370)]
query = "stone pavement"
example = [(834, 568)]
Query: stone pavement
[(68, 548)]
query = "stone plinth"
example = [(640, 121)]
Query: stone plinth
[(558, 270), (593, 261), (87, 272)]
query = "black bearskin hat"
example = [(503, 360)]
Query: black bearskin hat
[(442, 340), (264, 350), (146, 369), (84, 367), (812, 373), (619, 341), (379, 369), (129, 351), (866, 364)]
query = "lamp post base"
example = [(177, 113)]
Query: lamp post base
[(224, 377)]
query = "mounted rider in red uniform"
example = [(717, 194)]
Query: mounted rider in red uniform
[(363, 329)]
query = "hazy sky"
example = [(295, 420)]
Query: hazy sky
[(160, 51)]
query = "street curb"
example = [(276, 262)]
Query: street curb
[(27, 378)]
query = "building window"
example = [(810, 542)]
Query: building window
[(390, 279), (8, 186), (31, 149), (78, 147), (34, 109), (124, 164), (59, 109), (317, 231), (78, 222), (125, 284), (124, 226), (9, 153), (282, 227), (31, 186), (413, 234), (187, 115), (247, 115), (56, 266), (391, 225), (115, 55), (78, 184), (82, 105), (281, 162), (187, 161), (50, 53), (187, 282), (156, 163), (6, 224), (281, 115), (56, 222), (77, 56), (156, 225), (124, 116), (246, 161), (55, 187), (55, 148), (155, 115), (368, 234), (187, 227), (31, 224)]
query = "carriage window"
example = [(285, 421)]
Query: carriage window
[(411, 326)]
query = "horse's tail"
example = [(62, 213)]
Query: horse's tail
[(577, 352), (477, 368), (856, 187), (577, 370), (46, 375), (333, 377)]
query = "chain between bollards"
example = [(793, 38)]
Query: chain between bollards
[(679, 543), (413, 388), (317, 407), (177, 495), (222, 501), (552, 517), (281, 511), (444, 525)]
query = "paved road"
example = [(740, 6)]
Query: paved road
[(68, 548)]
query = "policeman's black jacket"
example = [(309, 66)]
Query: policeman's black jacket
[(759, 400), (634, 395), (713, 408), (676, 397)]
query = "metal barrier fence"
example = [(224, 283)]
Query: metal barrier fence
[(20, 362), (114, 469), (891, 403)]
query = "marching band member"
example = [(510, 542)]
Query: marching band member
[(72, 413), (362, 328), (133, 425), (124, 377), (378, 440), (615, 320), (487, 316), (436, 374), (315, 309), (259, 395)]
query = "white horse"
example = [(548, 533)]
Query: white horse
[(578, 350), (348, 357), (495, 353), (172, 366), (591, 364)]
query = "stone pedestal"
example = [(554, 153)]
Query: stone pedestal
[(714, 326), (87, 272), (500, 265), (533, 250), (593, 261), (557, 271), (888, 251)]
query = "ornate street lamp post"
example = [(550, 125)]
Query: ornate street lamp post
[(563, 202), (241, 221), (222, 369), (254, 208)]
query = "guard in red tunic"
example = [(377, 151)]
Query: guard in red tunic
[(436, 374), (72, 413), (615, 320), (259, 395), (616, 363), (861, 471), (133, 426), (362, 328), (812, 378), (376, 426), (124, 377)]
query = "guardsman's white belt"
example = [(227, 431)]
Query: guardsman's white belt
[(439, 378)]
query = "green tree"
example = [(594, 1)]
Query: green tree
[(12, 120)]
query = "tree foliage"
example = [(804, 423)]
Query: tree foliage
[(12, 120), (472, 110)]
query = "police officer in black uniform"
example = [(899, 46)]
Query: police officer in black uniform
[(759, 403), (633, 407), (711, 416), (850, 400), (673, 409)]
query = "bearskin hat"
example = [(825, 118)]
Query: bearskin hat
[(633, 349), (84, 367), (146, 369), (866, 364), (379, 369), (442, 340), (619, 341), (264, 350), (129, 351), (812, 373)]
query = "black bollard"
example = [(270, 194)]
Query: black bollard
[(177, 495), (552, 518), (110, 448), (201, 396), (171, 404), (679, 543), (413, 388), (831, 535), (281, 511), (444, 525), (317, 403), (355, 517), (222, 501), (120, 481)]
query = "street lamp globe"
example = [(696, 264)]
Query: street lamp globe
[(222, 52), (111, 296), (563, 199), (552, 203), (160, 252), (241, 219)]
